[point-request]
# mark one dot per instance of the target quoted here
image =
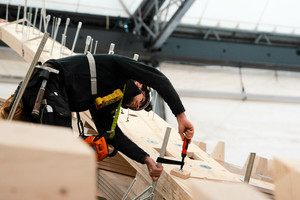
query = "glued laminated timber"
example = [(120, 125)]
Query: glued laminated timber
[(147, 132)]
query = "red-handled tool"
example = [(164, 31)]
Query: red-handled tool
[(184, 151)]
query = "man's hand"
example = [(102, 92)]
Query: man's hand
[(154, 172), (2, 20), (185, 127)]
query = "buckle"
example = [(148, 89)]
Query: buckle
[(111, 134)]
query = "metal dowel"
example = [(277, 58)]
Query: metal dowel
[(18, 16), (129, 189), (161, 155), (66, 26), (154, 107), (138, 196), (249, 167), (48, 18), (53, 26), (55, 34), (111, 48), (63, 42), (27, 77), (87, 43), (24, 17), (76, 36), (6, 17), (95, 48), (35, 16), (41, 20), (91, 45)]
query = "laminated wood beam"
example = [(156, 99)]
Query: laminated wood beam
[(44, 162), (287, 178)]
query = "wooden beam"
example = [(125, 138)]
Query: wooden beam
[(44, 162), (287, 178)]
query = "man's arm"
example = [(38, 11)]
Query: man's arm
[(154, 171)]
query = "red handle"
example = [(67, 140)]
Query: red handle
[(185, 146)]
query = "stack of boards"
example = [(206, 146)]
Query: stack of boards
[(208, 179)]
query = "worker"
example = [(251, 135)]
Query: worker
[(71, 91)]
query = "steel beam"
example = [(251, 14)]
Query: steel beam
[(172, 24)]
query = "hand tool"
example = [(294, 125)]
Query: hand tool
[(184, 151), (27, 77), (45, 73), (101, 102)]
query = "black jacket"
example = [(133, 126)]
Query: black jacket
[(113, 71)]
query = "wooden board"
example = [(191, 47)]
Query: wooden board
[(211, 190), (44, 162), (26, 43), (287, 178)]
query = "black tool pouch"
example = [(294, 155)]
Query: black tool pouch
[(56, 110)]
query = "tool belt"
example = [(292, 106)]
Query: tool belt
[(55, 107)]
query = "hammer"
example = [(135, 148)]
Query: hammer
[(45, 75)]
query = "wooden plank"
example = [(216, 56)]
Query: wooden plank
[(44, 162), (114, 185), (287, 178), (117, 164), (26, 43), (211, 190)]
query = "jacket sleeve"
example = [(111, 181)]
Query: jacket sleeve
[(129, 148), (151, 77), (103, 123)]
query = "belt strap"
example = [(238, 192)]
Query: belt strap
[(92, 65), (117, 113)]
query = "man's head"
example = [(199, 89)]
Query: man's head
[(137, 97)]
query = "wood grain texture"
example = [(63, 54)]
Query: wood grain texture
[(43, 162), (287, 178)]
